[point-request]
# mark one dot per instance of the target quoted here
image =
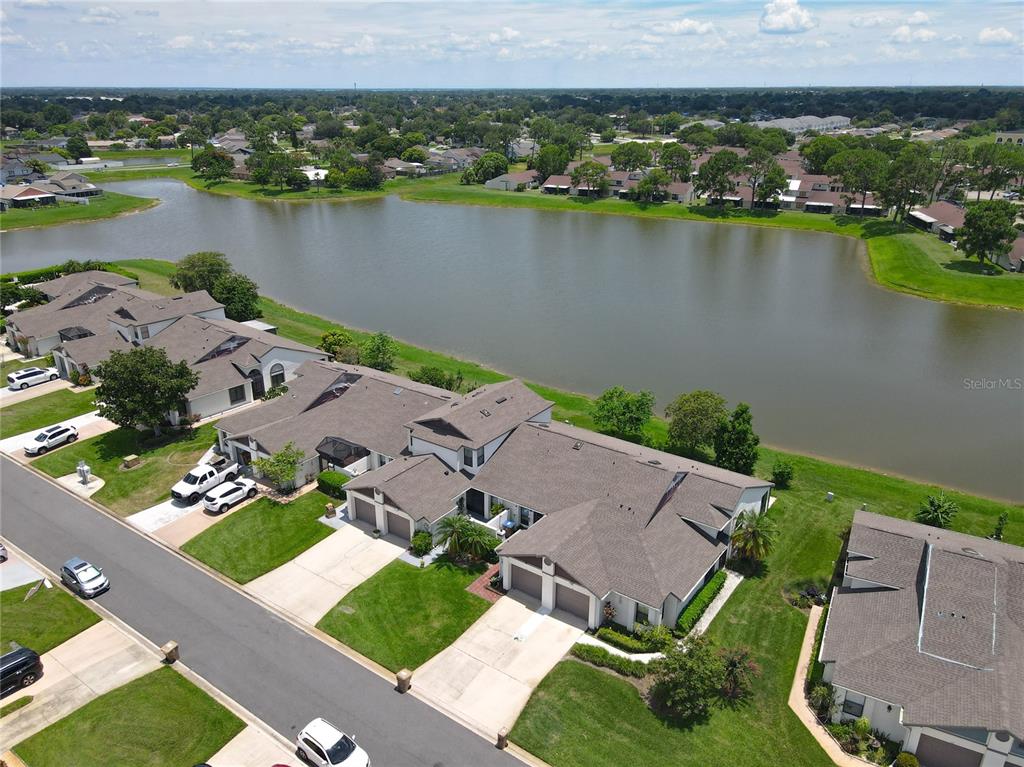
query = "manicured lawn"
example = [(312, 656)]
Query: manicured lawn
[(583, 716), (48, 619), (107, 205), (158, 720), (262, 536), (404, 615), (10, 708), (45, 410), (158, 155), (164, 461)]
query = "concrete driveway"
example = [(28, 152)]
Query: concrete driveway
[(94, 662), (163, 514), (88, 425), (10, 396), (16, 572), (253, 747), (317, 579), (486, 676)]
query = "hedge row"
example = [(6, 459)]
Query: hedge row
[(624, 642), (689, 617), (332, 483), (599, 656)]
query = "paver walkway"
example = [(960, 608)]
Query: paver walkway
[(798, 703), (316, 580), (89, 664), (253, 747), (88, 425), (486, 676)]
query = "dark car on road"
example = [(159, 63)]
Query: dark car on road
[(19, 668)]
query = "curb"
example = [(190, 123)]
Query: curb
[(312, 631), (214, 692)]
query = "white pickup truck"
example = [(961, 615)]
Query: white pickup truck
[(204, 477)]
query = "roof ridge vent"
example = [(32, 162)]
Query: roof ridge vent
[(485, 413), (577, 445)]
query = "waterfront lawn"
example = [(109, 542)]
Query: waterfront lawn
[(404, 615), (45, 410), (107, 205), (157, 155), (48, 619), (165, 460), (584, 716), (262, 536), (158, 720)]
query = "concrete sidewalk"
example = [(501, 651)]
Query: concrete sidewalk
[(316, 580), (253, 747), (88, 425), (89, 664), (487, 675)]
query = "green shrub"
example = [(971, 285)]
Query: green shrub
[(688, 618), (598, 656), (332, 483), (906, 759), (422, 543), (625, 642), (658, 638), (782, 473)]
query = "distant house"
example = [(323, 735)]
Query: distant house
[(25, 196), (510, 182), (942, 218), (70, 184), (235, 144), (140, 120), (1015, 137), (557, 184), (403, 168), (14, 170), (455, 159), (524, 147), (925, 639)]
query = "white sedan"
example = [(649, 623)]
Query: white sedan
[(322, 744), (22, 379), (227, 494)]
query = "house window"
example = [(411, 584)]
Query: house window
[(467, 456), (854, 704), (236, 394), (276, 374), (480, 457), (524, 516), (643, 614), (144, 332)]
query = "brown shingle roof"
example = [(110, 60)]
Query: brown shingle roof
[(143, 310), (945, 213), (78, 280), (944, 638), (422, 486)]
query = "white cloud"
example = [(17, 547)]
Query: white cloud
[(506, 34), (38, 4), (868, 22), (364, 46), (893, 53), (146, 12), (101, 14), (821, 44), (905, 34), (785, 17), (918, 18), (995, 36), (181, 42), (685, 27)]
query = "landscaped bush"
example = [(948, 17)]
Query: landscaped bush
[(631, 643), (598, 656), (421, 543), (332, 483), (782, 473), (906, 759), (689, 617)]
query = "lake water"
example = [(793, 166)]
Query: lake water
[(785, 320)]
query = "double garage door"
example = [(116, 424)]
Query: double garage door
[(397, 524), (568, 599)]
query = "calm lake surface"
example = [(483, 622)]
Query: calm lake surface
[(788, 321)]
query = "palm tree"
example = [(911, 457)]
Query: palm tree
[(937, 511), (754, 535), (465, 538)]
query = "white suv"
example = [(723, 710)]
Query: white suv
[(22, 379), (51, 437), (324, 745), (228, 494)]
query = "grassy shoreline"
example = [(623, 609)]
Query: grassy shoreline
[(901, 258), (108, 205), (572, 406)]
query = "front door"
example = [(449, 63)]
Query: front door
[(258, 389)]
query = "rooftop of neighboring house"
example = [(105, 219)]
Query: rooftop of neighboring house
[(422, 486), (72, 282), (86, 306), (945, 213), (479, 417), (361, 405), (521, 177), (145, 309), (560, 181), (23, 192), (935, 624)]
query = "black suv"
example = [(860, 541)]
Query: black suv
[(19, 668)]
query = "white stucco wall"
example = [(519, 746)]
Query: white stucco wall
[(217, 402), (419, 446), (884, 716), (290, 359)]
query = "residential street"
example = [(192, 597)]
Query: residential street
[(276, 671)]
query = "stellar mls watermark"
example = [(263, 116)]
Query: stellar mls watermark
[(991, 384)]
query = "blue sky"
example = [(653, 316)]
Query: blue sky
[(494, 43)]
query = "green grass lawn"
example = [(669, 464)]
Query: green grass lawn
[(10, 708), (48, 619), (164, 461), (262, 536), (158, 720), (45, 410), (158, 155), (583, 716), (404, 615), (108, 205)]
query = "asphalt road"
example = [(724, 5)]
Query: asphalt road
[(280, 673)]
